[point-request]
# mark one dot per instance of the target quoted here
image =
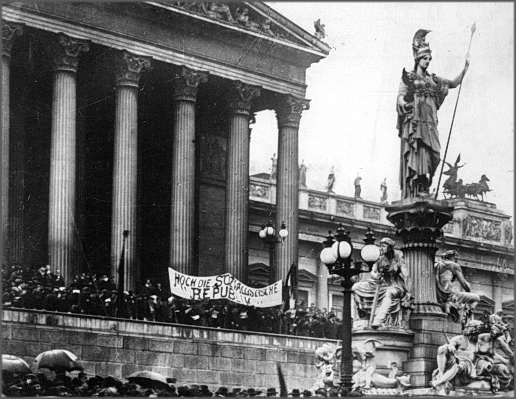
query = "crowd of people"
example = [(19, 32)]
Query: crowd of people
[(93, 294), (80, 384)]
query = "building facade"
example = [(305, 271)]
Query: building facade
[(127, 127), (136, 117), (482, 235)]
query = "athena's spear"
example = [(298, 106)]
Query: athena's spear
[(473, 29)]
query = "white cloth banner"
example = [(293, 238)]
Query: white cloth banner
[(224, 286)]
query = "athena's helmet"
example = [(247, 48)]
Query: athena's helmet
[(420, 48)]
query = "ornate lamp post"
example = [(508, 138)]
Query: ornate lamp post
[(337, 257), (268, 235)]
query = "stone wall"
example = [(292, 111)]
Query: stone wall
[(213, 357)]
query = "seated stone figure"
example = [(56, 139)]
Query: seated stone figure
[(383, 292), (473, 356), (458, 303)]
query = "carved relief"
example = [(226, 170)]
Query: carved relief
[(316, 202), (213, 159), (449, 228), (371, 212), (484, 229), (259, 191), (508, 232), (345, 208), (222, 11)]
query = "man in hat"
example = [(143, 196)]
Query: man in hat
[(454, 301), (295, 393), (380, 296), (222, 392), (272, 392), (253, 392)]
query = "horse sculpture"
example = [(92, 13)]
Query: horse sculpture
[(473, 190)]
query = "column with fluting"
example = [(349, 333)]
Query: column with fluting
[(288, 113), (65, 51), (17, 253), (237, 191), (9, 32), (129, 68), (183, 171)]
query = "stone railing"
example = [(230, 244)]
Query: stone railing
[(472, 220), (262, 190)]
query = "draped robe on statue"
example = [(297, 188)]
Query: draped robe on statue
[(417, 129), (392, 287)]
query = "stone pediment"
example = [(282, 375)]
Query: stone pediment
[(254, 18)]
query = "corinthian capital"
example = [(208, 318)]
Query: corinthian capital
[(129, 68), (289, 110), (499, 278), (186, 85), (9, 31), (65, 51), (241, 96)]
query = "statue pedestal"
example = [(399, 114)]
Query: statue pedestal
[(396, 346), (419, 222)]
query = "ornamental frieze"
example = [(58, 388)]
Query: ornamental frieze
[(316, 202), (484, 229), (259, 191), (230, 13), (450, 226), (345, 208), (371, 212)]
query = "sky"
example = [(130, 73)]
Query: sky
[(351, 123)]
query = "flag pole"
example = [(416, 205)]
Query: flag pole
[(473, 29)]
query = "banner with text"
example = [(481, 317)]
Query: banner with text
[(224, 286)]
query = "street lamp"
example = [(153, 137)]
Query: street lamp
[(337, 257), (268, 235)]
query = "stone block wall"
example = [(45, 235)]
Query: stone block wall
[(213, 357)]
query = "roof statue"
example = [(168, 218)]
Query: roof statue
[(320, 32)]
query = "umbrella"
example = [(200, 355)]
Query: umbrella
[(149, 379), (14, 364), (57, 360)]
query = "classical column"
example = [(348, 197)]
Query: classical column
[(322, 285), (237, 192), (498, 280), (9, 32), (17, 253), (419, 223), (288, 114), (61, 223), (183, 171), (125, 164)]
